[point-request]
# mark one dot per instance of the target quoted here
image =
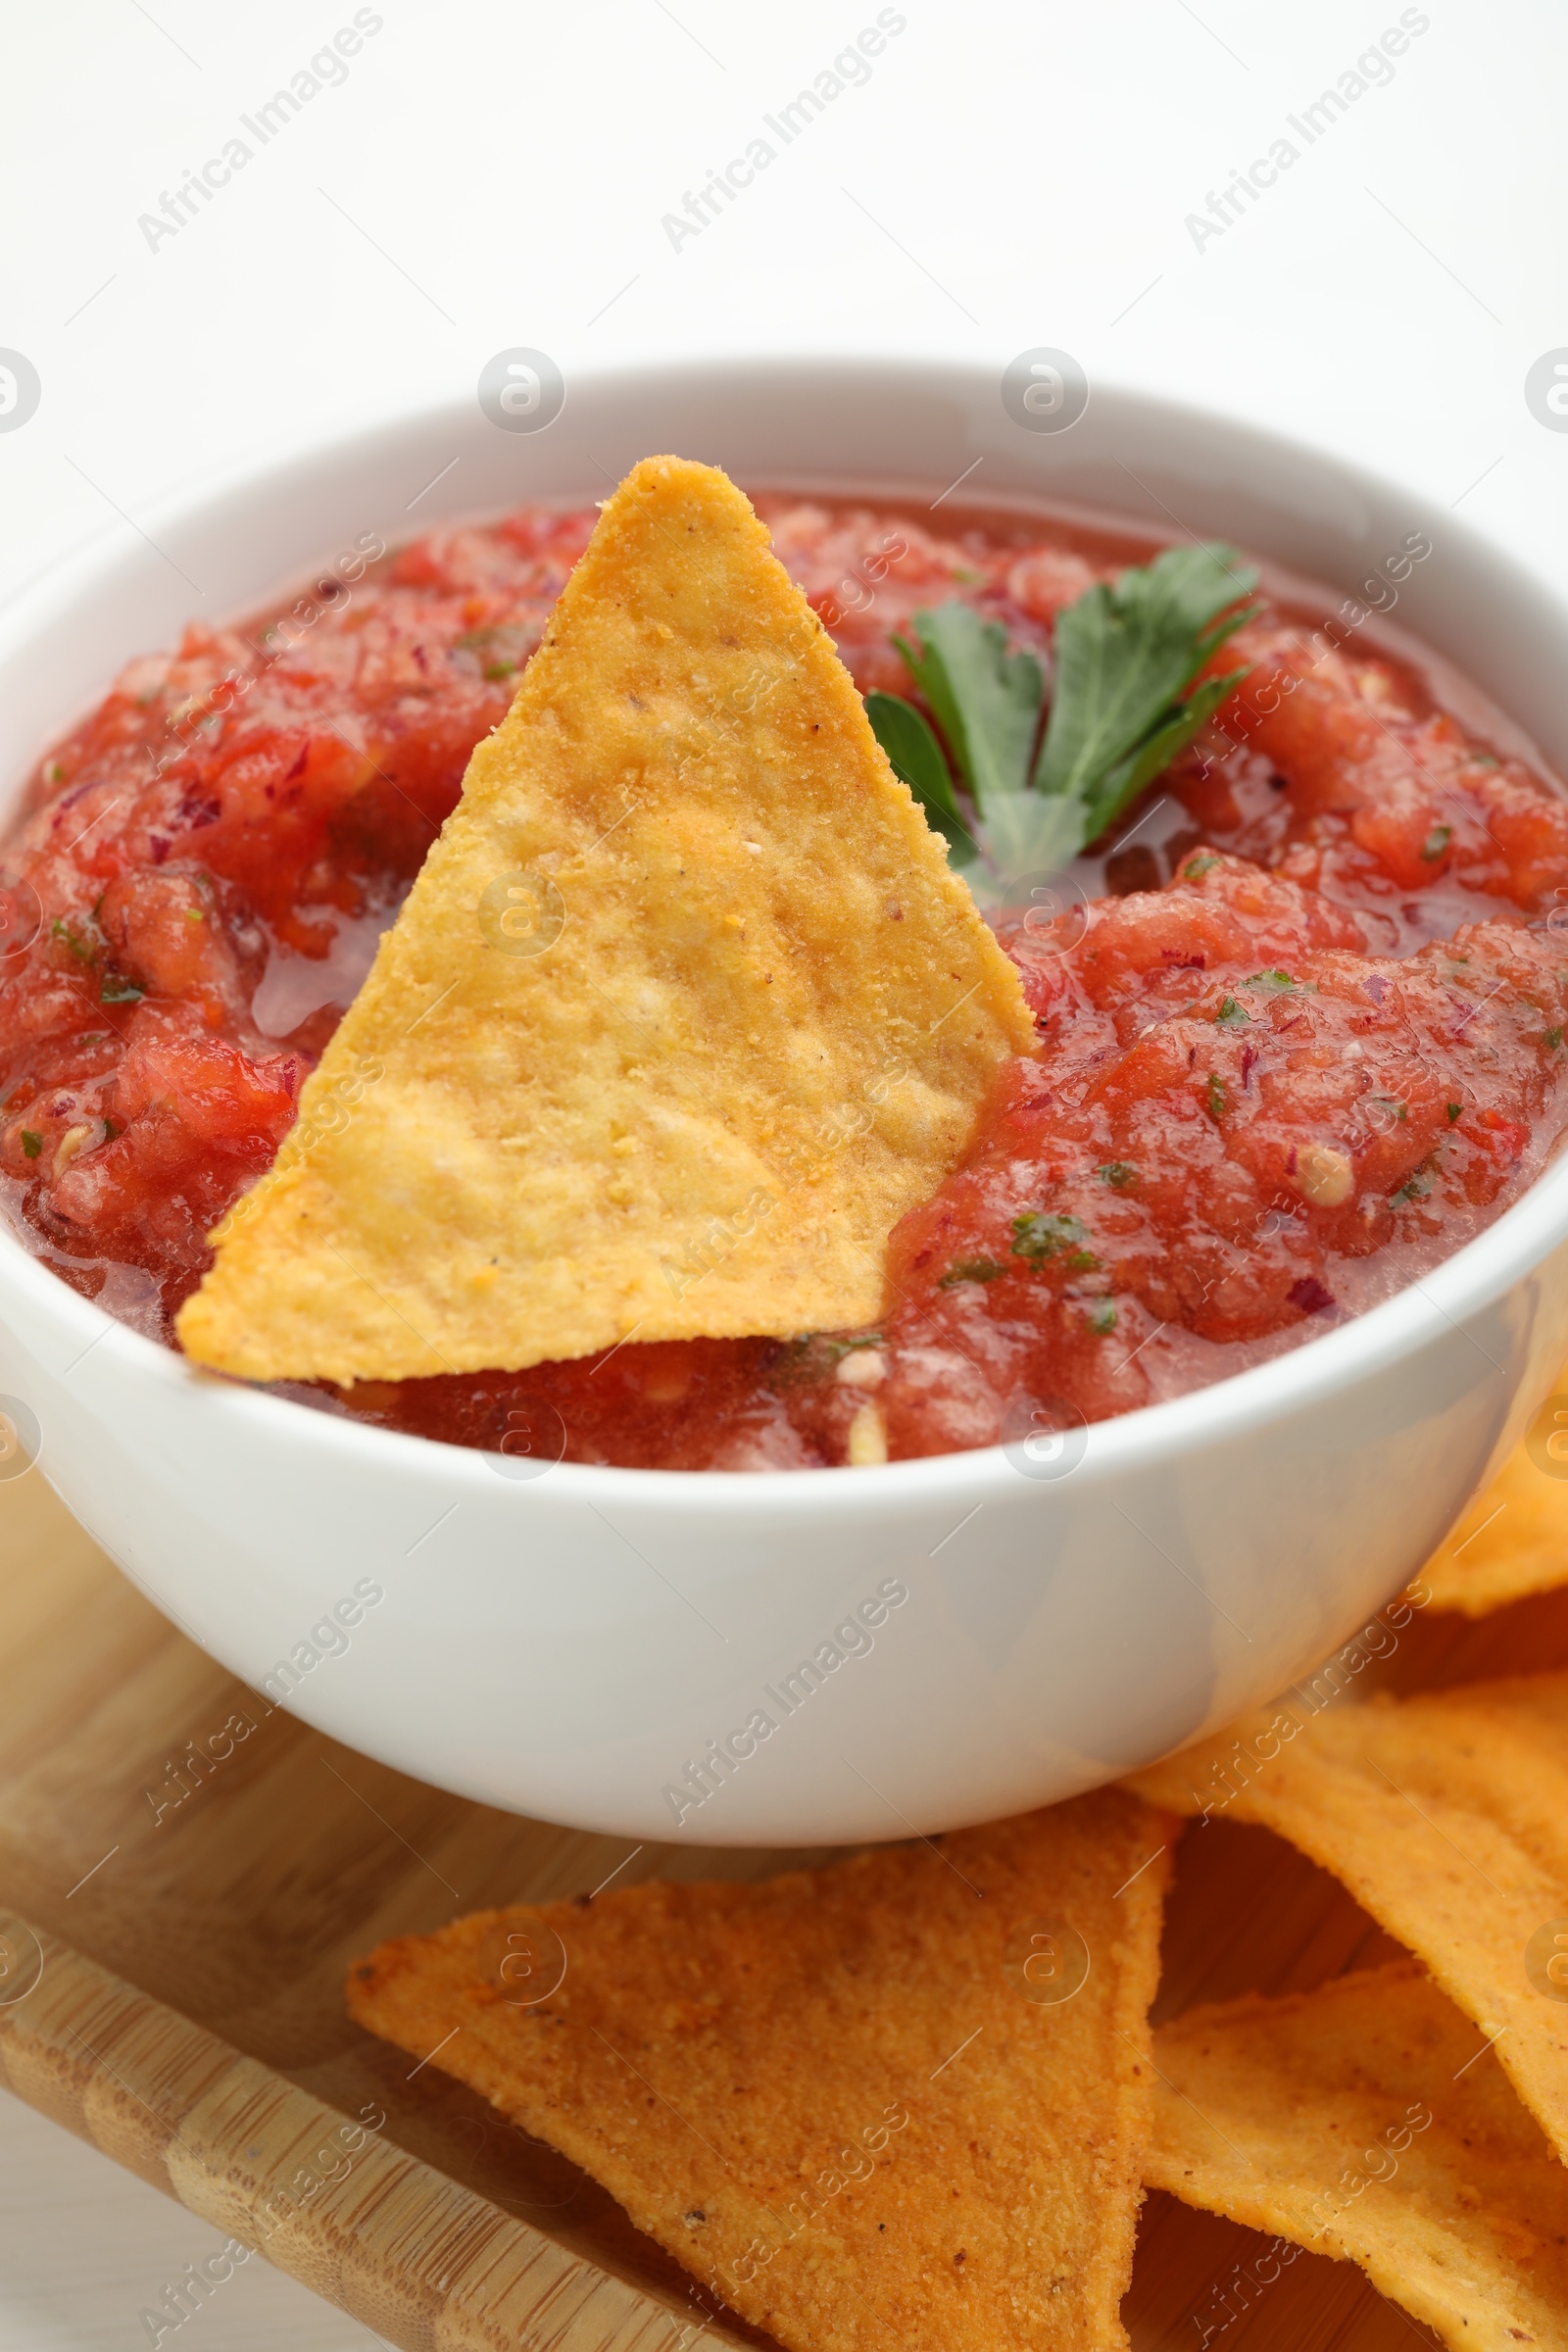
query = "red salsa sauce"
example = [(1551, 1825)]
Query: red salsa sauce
[(1300, 1022)]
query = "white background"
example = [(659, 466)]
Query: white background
[(495, 173)]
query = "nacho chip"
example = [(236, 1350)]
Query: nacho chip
[(1513, 1539), (685, 1008), (1447, 1817), (852, 2101), (1352, 2121)]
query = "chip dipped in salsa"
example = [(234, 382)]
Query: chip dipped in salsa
[(1291, 941)]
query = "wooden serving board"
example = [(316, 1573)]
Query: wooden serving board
[(188, 2018)]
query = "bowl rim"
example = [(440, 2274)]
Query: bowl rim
[(1458, 1288)]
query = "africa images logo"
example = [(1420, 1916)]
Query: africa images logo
[(19, 390), (1373, 70), (850, 70), (328, 70), (701, 1778)]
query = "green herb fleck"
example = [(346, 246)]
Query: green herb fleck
[(502, 648), (1453, 1111), (1436, 842), (1554, 1039), (1232, 1015), (1217, 1095), (837, 1348), (111, 1131), (78, 948), (31, 1144), (54, 771), (1037, 1236), (970, 1269), (117, 991), (1118, 1174), (1274, 980), (1415, 1188), (814, 1354), (1101, 1317), (916, 757), (194, 914), (1196, 868)]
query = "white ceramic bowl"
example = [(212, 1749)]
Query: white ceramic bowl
[(568, 1645)]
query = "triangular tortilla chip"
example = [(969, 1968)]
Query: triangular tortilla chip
[(1512, 1540), (1447, 1817), (1357, 2121), (685, 1008), (836, 2097)]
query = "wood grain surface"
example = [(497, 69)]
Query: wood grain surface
[(188, 2016)]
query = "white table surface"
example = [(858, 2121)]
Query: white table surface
[(1014, 173), (86, 2248)]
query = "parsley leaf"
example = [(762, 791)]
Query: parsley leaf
[(1123, 706), (916, 757), (1033, 833), (987, 700), (1124, 655)]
